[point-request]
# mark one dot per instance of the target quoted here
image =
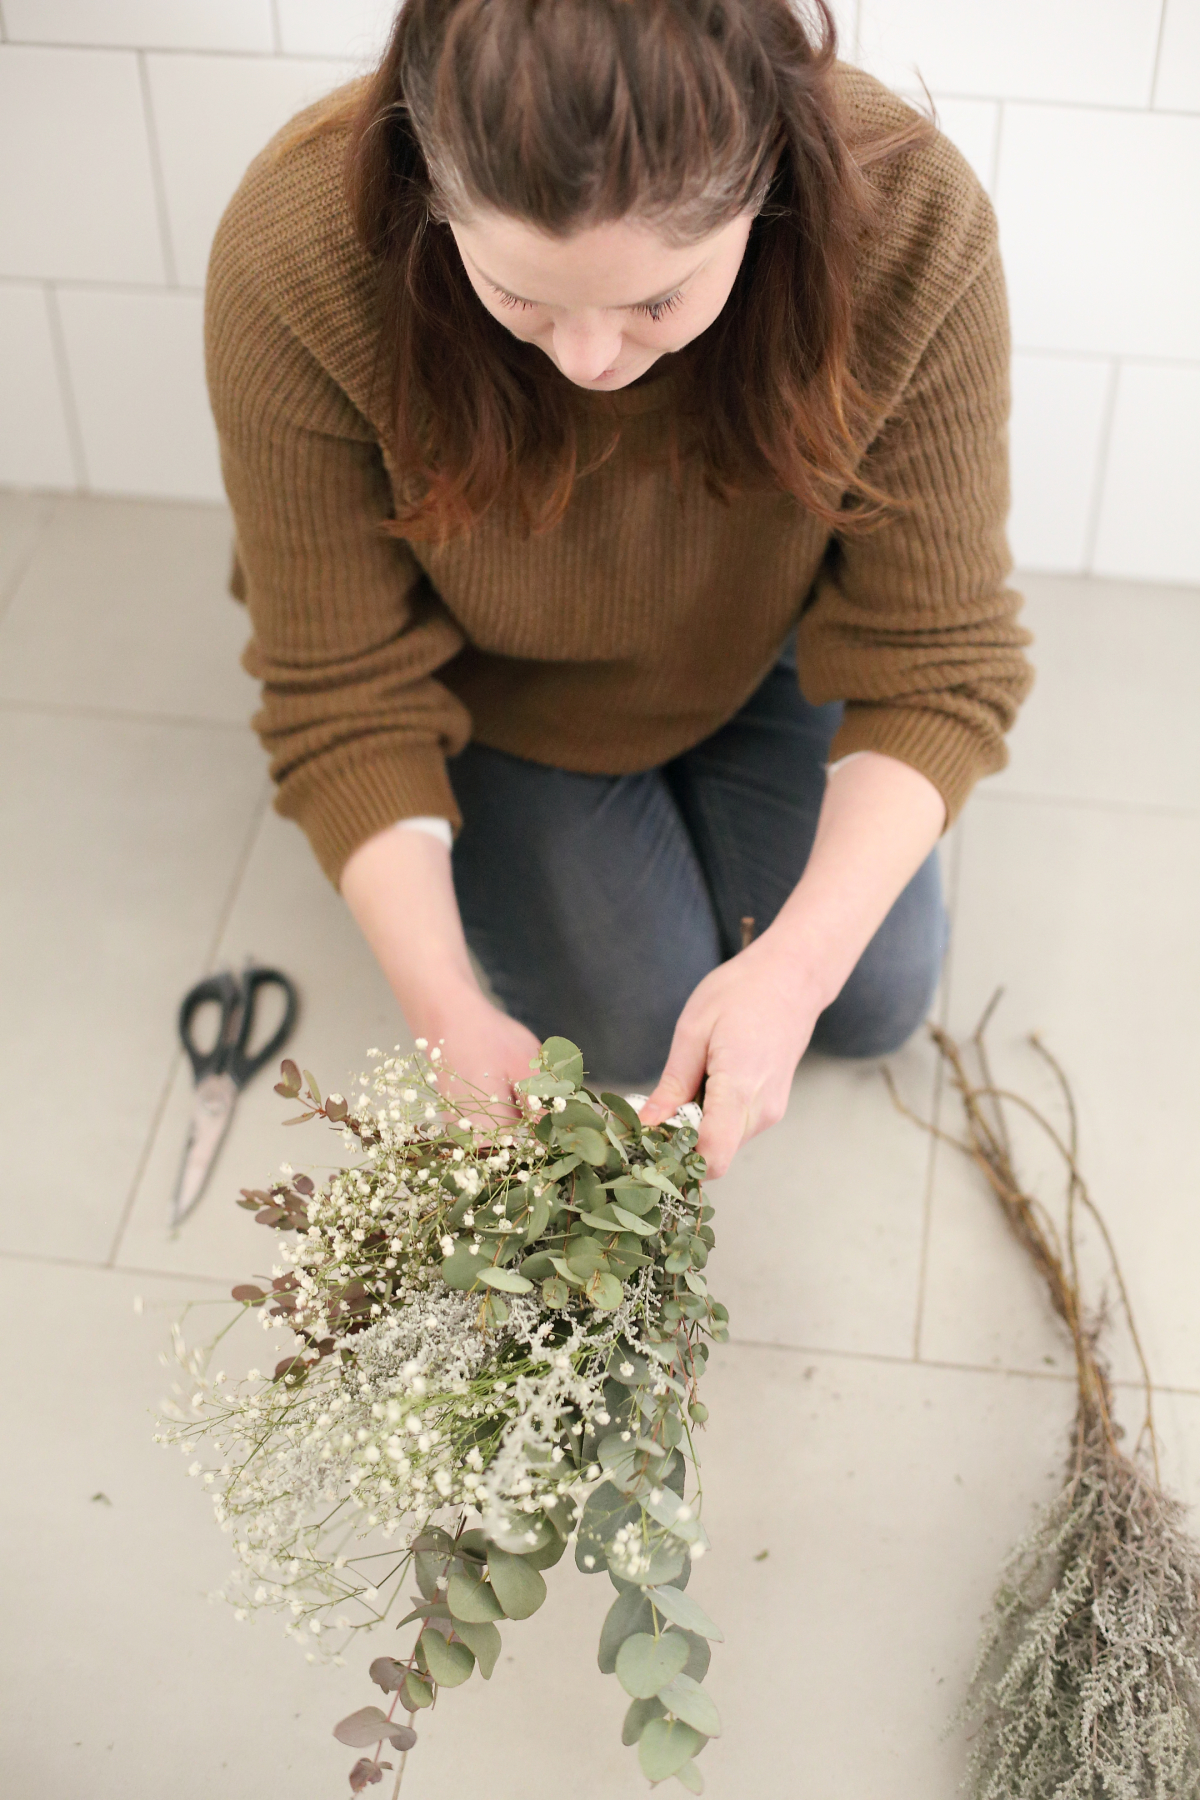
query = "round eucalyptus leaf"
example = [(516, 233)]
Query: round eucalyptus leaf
[(449, 1664), (605, 1291), (645, 1664), (629, 1614), (415, 1692), (665, 1745), (690, 1778), (483, 1641), (555, 1291), (563, 1059), (461, 1269), (689, 1702), (681, 1609), (519, 1587), (507, 1280), (472, 1600), (637, 1717), (585, 1142), (699, 1653)]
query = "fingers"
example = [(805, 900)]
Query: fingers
[(682, 1076), (726, 1124)]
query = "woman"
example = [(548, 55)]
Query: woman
[(612, 398)]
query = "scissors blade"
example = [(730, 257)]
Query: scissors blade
[(212, 1110)]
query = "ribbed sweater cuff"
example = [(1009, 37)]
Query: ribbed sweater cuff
[(944, 750), (340, 808)]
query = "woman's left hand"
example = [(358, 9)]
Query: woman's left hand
[(746, 1026)]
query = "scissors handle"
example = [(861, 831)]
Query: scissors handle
[(237, 998), (238, 1063), (225, 991)]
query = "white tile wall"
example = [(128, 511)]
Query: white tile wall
[(1099, 51), (230, 106), (1178, 83), (1098, 219), (35, 447), (1150, 510), (355, 28), (1060, 407), (137, 368), (142, 24), (126, 124), (76, 189), (973, 125)]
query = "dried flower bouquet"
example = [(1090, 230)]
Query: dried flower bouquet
[(499, 1330)]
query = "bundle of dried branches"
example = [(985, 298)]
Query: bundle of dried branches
[(1087, 1683)]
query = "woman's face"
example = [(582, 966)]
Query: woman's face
[(607, 302)]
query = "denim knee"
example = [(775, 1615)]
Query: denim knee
[(891, 987)]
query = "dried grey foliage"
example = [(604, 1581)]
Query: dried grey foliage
[(1087, 1682)]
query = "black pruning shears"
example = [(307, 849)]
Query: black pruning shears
[(222, 1071)]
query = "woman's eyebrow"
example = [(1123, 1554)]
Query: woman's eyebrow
[(628, 306)]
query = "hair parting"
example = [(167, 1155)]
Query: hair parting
[(680, 114)]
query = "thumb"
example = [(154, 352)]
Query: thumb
[(680, 1080)]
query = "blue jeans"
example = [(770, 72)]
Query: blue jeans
[(596, 903)]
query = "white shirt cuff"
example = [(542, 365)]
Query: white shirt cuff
[(433, 827)]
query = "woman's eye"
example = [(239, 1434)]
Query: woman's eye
[(513, 301), (658, 309)]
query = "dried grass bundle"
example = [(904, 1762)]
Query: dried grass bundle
[(1087, 1683)]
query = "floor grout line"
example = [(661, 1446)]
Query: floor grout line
[(39, 1259), (898, 1360), (223, 917), (8, 592), (114, 715), (935, 1106)]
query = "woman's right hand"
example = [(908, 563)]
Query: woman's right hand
[(400, 887)]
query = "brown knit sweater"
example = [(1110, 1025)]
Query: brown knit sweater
[(646, 617)]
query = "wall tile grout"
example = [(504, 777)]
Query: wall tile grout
[(1010, 797), (259, 56), (997, 141), (66, 387), (1100, 472), (1129, 109), (156, 174), (94, 284), (1158, 50)]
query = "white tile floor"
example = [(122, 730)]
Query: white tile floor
[(886, 1332)]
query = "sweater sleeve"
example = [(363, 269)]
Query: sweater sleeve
[(911, 623), (347, 632)]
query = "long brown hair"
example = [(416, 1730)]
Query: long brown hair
[(681, 114)]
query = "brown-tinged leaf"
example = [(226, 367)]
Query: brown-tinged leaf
[(369, 1725), (336, 1110), (290, 1072), (364, 1772), (248, 1293), (304, 1184), (270, 1215), (300, 1118), (386, 1673)]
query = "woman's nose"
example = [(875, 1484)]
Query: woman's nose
[(585, 347)]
